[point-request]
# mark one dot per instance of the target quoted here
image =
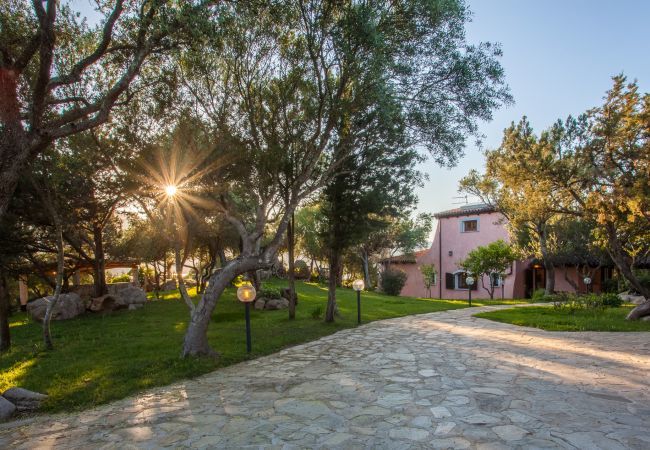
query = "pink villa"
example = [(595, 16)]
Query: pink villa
[(458, 232)]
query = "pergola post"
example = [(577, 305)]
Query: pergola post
[(134, 276), (76, 278), (24, 293)]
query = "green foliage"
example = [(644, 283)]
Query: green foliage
[(488, 261), (595, 167), (301, 270), (309, 240), (125, 277), (610, 300), (269, 292), (317, 312), (316, 277), (539, 296), (644, 280), (392, 281), (574, 302), (411, 233), (551, 319), (428, 275)]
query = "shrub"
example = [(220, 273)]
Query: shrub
[(317, 312), (269, 293), (538, 295), (392, 281), (595, 302), (301, 270), (124, 278), (611, 300)]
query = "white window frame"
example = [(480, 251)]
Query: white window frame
[(499, 279), (470, 219), (457, 280)]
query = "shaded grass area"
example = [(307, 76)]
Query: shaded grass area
[(551, 319), (99, 358)]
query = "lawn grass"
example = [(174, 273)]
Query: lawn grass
[(551, 319), (99, 358)]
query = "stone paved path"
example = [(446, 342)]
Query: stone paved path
[(441, 380)]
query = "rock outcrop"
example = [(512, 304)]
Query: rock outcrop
[(271, 303), (67, 307), (24, 399), (631, 298), (108, 302), (169, 285), (7, 409), (130, 297)]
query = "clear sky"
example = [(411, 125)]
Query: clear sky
[(559, 57)]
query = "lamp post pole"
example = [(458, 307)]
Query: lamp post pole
[(358, 286), (248, 327), (470, 281), (587, 282), (246, 294)]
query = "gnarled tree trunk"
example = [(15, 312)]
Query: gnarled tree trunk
[(335, 262), (624, 264), (549, 267), (196, 336), (366, 268), (5, 334), (47, 336), (100, 262), (292, 268)]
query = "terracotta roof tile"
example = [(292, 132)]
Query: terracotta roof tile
[(466, 210)]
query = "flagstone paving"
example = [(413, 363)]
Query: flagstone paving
[(440, 380)]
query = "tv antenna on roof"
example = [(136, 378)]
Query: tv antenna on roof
[(461, 198)]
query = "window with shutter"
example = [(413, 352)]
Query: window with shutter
[(449, 281)]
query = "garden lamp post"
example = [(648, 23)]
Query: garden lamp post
[(358, 286), (246, 294), (587, 282), (470, 282)]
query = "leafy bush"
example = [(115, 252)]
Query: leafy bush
[(317, 312), (392, 281), (124, 278), (538, 295), (301, 270), (595, 302), (611, 300), (269, 293)]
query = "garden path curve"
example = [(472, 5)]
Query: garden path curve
[(439, 380)]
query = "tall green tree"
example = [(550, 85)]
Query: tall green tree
[(602, 170), (594, 167), (489, 262), (429, 273), (513, 185), (60, 76), (280, 85)]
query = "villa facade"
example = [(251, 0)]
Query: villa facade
[(458, 232)]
